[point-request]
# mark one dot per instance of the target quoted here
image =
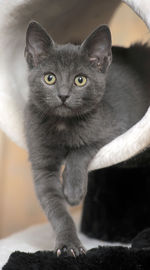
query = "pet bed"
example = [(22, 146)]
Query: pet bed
[(14, 18)]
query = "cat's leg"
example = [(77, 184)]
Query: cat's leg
[(75, 175), (49, 191)]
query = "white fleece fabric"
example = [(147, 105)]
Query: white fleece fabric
[(14, 87), (39, 237)]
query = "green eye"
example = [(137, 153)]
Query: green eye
[(80, 81), (50, 78)]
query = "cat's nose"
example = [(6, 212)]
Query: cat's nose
[(63, 97)]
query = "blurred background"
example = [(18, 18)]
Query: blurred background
[(19, 207)]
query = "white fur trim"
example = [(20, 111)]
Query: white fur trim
[(135, 140)]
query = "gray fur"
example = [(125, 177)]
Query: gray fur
[(112, 100)]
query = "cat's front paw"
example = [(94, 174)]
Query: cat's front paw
[(69, 249), (73, 197), (74, 187)]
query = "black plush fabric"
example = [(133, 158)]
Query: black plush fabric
[(117, 205), (103, 258), (142, 240)]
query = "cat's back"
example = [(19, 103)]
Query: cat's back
[(128, 83), (136, 57)]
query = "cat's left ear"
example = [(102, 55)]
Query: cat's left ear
[(98, 48), (38, 44)]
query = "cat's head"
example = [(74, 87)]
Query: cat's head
[(67, 80)]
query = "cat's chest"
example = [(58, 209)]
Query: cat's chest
[(72, 134)]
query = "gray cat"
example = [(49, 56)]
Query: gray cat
[(78, 102)]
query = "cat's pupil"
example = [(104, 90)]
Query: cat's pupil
[(80, 79), (50, 77)]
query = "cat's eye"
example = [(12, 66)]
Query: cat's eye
[(50, 78), (80, 80)]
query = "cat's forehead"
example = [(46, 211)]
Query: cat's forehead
[(68, 54), (68, 49), (65, 58)]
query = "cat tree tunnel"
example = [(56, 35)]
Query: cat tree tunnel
[(65, 20), (68, 20)]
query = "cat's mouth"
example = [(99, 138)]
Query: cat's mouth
[(63, 109), (64, 106)]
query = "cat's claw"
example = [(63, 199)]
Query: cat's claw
[(70, 251), (58, 252), (82, 251)]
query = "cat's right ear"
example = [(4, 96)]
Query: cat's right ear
[(38, 44), (98, 48)]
